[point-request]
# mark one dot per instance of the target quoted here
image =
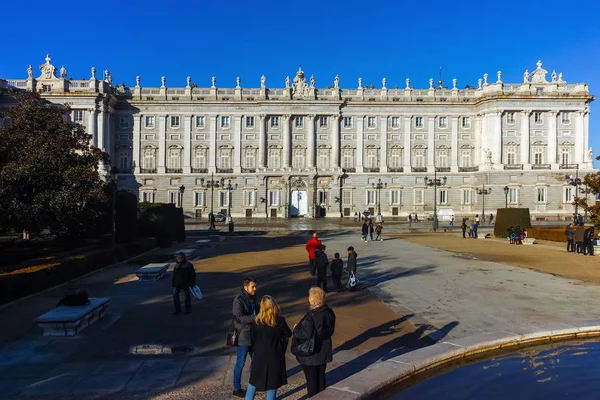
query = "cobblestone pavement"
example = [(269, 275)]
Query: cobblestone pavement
[(99, 364)]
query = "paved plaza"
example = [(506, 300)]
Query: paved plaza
[(412, 296)]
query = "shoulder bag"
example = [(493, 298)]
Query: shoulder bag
[(305, 348), (232, 335)]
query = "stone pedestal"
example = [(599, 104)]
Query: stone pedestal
[(152, 272), (203, 243), (189, 253)]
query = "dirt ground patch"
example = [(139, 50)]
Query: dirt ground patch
[(546, 257)]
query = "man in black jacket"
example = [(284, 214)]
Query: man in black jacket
[(321, 263), (570, 234), (184, 277), (245, 308), (588, 238)]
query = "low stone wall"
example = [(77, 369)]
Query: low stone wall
[(380, 380)]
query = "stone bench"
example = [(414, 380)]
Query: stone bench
[(70, 320), (189, 253), (529, 240), (203, 243), (152, 272)]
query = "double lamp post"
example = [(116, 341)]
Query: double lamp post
[(435, 182)]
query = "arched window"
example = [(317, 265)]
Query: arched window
[(174, 157), (149, 158)]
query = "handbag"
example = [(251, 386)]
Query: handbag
[(305, 348), (232, 336), (196, 292)]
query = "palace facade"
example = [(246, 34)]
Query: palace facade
[(330, 152)]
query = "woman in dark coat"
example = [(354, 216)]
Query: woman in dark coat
[(269, 334), (319, 321), (184, 277)]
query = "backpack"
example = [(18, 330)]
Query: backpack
[(74, 297)]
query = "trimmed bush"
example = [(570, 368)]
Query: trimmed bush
[(180, 225), (507, 217), (126, 217), (552, 234), (22, 282), (163, 221)]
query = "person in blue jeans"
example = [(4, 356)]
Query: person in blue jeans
[(245, 309)]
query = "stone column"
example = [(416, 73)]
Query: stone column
[(586, 138), (310, 141), (108, 142), (497, 140), (287, 141), (335, 141), (237, 140), (135, 145), (485, 140), (92, 123), (454, 149), (552, 135), (100, 124), (360, 146), (162, 143), (212, 147), (407, 134), (262, 142), (478, 141), (430, 144), (187, 143), (383, 126), (579, 140), (525, 151)]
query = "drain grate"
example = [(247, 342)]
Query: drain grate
[(158, 349)]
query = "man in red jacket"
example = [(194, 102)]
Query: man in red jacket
[(313, 244)]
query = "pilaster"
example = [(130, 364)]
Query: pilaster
[(92, 123), (187, 143), (407, 133), (237, 146), (137, 130), (212, 150), (287, 140), (430, 144), (383, 126), (552, 135), (335, 140), (360, 145), (262, 142), (162, 143), (579, 134), (525, 139), (454, 145), (310, 141)]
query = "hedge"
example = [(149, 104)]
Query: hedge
[(163, 221), (25, 281), (551, 234), (126, 224), (507, 217)]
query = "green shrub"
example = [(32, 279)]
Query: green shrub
[(552, 234), (126, 217), (507, 217), (179, 225), (163, 221), (22, 282)]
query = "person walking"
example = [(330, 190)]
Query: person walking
[(378, 231), (318, 323), (321, 263), (588, 237), (491, 219), (351, 266), (476, 226), (355, 216), (311, 246), (269, 337), (570, 234), (579, 236), (365, 231), (245, 309), (371, 229), (184, 277), (409, 220), (463, 226), (416, 218), (452, 220), (337, 267)]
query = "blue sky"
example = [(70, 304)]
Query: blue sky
[(375, 39)]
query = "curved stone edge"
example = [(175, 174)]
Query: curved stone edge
[(373, 381)]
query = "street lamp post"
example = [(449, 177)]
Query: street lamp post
[(342, 178), (435, 182), (230, 188), (181, 191), (212, 184), (380, 185), (483, 192), (114, 177), (506, 189)]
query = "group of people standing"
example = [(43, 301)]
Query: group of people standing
[(264, 335), (318, 262), (473, 227), (580, 239), (367, 230)]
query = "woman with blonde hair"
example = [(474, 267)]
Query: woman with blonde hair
[(312, 341), (269, 335)]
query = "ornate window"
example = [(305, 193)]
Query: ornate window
[(200, 157), (539, 148), (443, 122), (565, 152), (149, 121), (274, 157), (147, 196), (419, 196), (77, 115), (512, 151), (123, 157), (348, 157), (467, 196), (538, 117), (395, 196), (225, 122), (443, 196), (273, 197), (175, 121), (323, 157), (175, 157), (513, 195), (299, 122), (466, 158), (395, 122), (372, 157), (274, 122), (249, 122), (200, 122), (371, 122), (149, 158), (250, 158), (347, 122), (225, 156), (442, 157), (569, 195), (418, 122), (347, 197), (323, 122), (298, 161), (510, 118), (565, 117), (419, 153), (249, 198), (395, 157), (466, 122), (541, 195), (371, 197), (199, 199)]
